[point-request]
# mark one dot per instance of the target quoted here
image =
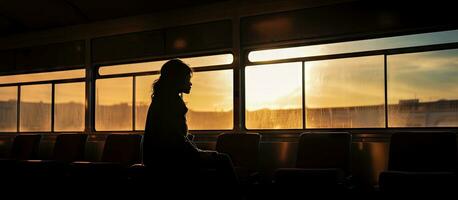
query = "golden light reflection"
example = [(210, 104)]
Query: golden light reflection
[(8, 93), (201, 61), (284, 151), (69, 112), (276, 86), (284, 53), (274, 96), (112, 91), (423, 89), (35, 110), (180, 43), (70, 92), (113, 109), (143, 89), (36, 93), (344, 82), (8, 109), (211, 97), (271, 27), (354, 46), (143, 92), (45, 76), (427, 76), (211, 91), (132, 68), (379, 153)]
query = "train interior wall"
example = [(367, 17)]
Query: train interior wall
[(247, 26)]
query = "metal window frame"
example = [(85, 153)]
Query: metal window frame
[(385, 53), (231, 66), (52, 121)]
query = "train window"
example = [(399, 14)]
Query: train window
[(213, 60), (131, 68), (211, 97), (423, 89), (35, 108), (143, 92), (45, 76), (69, 103), (355, 46), (201, 61), (113, 109), (8, 109), (345, 93), (274, 96)]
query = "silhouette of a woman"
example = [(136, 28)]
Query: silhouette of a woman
[(165, 142), (165, 132)]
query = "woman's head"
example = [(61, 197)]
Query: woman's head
[(175, 78)]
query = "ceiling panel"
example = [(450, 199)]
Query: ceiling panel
[(17, 16), (109, 9), (40, 14)]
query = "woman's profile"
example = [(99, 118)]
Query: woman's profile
[(166, 144)]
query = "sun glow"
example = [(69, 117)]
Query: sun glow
[(276, 86)]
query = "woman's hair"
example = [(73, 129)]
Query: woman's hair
[(173, 75)]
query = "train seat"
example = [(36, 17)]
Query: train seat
[(243, 149), (120, 151), (323, 162), (421, 162), (67, 148)]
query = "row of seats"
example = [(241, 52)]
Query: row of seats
[(421, 162), (121, 148), (417, 160), (66, 165), (120, 152)]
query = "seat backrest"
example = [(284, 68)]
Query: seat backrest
[(70, 147), (122, 148), (423, 151), (324, 150), (242, 148), (25, 147)]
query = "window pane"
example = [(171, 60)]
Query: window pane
[(274, 96), (423, 89), (132, 68), (69, 107), (35, 110), (143, 92), (204, 61), (201, 61), (113, 110), (210, 102), (345, 93), (8, 109), (355, 46), (45, 76)]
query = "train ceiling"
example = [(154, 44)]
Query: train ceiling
[(20, 16)]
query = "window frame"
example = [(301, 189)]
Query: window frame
[(384, 52), (53, 83), (240, 61), (96, 67)]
